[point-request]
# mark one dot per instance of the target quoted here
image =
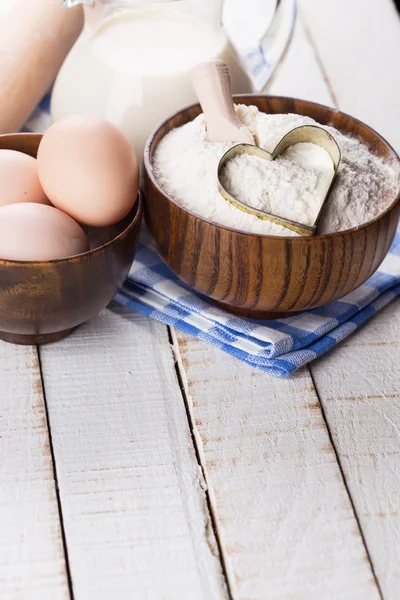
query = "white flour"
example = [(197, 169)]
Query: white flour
[(185, 164), (292, 186)]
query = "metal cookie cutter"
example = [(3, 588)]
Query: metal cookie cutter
[(305, 133)]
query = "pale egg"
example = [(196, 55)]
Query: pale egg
[(19, 180), (31, 232), (89, 170)]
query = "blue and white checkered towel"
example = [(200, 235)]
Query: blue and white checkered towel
[(277, 347)]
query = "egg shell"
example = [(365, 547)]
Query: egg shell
[(33, 232), (19, 180), (89, 170)]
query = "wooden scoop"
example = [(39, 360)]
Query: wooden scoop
[(212, 85)]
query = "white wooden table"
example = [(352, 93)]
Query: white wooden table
[(137, 463)]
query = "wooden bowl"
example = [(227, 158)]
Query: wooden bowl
[(44, 301), (266, 276)]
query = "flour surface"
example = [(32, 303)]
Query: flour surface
[(185, 164), (293, 186)]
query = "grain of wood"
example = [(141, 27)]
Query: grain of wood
[(359, 386), (135, 512), (32, 563), (284, 518), (359, 381)]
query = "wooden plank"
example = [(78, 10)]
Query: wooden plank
[(133, 495), (284, 518), (359, 382), (32, 563), (359, 45), (359, 386)]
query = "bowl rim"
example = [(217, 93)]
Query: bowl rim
[(296, 239), (138, 209)]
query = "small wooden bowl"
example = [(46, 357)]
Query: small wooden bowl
[(259, 275), (44, 301)]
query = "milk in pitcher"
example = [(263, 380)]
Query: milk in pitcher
[(134, 69)]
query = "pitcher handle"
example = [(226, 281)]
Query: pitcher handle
[(261, 58)]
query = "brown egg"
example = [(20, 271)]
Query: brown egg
[(89, 170), (38, 232), (19, 181)]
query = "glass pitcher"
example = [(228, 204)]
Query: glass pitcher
[(133, 60)]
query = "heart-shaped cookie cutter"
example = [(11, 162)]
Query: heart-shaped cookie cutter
[(304, 133), (211, 82)]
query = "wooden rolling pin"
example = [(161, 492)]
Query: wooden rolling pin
[(35, 38)]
